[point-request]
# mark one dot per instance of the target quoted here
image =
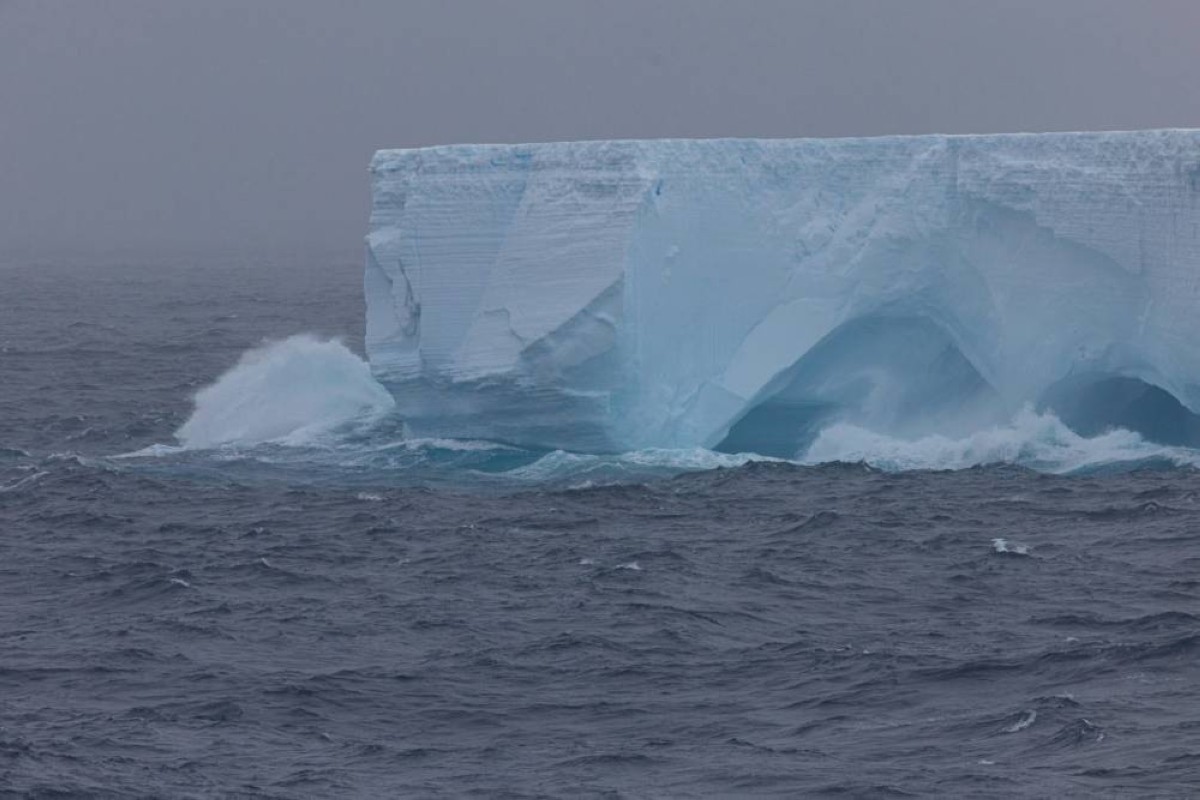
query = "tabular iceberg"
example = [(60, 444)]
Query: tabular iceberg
[(741, 294)]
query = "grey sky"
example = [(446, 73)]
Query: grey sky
[(163, 125)]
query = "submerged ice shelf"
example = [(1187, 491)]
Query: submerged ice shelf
[(742, 294)]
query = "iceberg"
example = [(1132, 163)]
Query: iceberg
[(745, 294)]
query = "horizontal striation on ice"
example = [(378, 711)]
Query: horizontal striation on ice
[(676, 293)]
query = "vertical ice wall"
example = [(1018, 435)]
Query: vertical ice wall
[(606, 295)]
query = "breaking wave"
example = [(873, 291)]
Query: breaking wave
[(309, 409), (1035, 440)]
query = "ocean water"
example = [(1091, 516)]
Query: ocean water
[(224, 572)]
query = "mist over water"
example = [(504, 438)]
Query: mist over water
[(227, 571)]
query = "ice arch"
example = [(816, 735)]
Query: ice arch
[(899, 374)]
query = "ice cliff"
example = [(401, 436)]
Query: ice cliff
[(742, 294)]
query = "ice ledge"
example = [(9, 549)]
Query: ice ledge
[(609, 294)]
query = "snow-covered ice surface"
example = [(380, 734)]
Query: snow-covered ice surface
[(746, 294)]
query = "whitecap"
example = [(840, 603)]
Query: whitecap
[(1003, 546), (28, 479), (153, 451), (1027, 719), (560, 463)]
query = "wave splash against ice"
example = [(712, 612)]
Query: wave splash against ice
[(1035, 440), (285, 391), (305, 406)]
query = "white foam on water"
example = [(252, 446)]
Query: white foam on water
[(1027, 719), (560, 463), (1036, 440), (28, 479), (1003, 546), (455, 445)]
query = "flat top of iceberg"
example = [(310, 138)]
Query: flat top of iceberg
[(602, 152)]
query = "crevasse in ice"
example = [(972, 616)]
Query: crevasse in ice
[(743, 294)]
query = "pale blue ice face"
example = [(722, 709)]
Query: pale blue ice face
[(746, 294)]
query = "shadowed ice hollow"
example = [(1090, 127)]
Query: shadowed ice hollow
[(286, 390)]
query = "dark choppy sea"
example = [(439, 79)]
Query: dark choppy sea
[(338, 612)]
